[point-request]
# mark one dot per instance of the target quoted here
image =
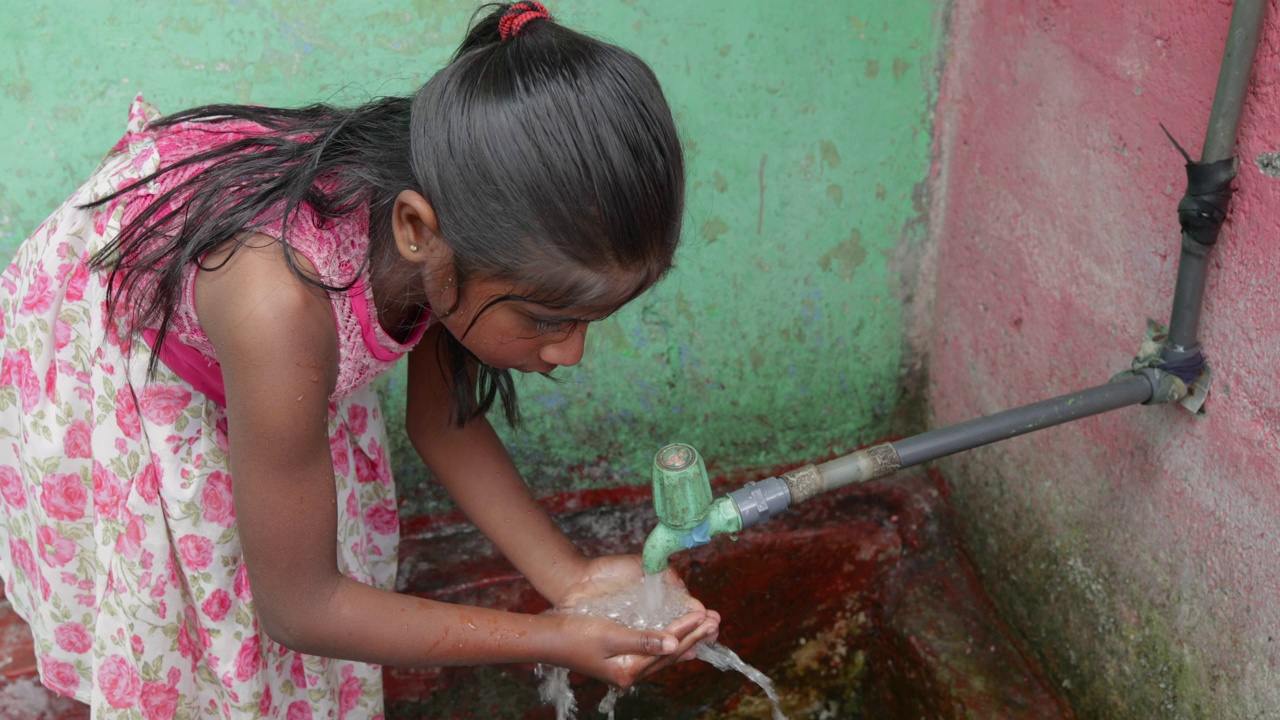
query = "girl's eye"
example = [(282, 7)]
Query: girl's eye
[(549, 326)]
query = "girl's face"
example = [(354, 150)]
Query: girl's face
[(495, 318), (507, 332)]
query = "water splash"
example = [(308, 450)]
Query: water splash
[(722, 658), (555, 691), (649, 604)]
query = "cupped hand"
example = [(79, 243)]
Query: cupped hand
[(613, 574), (618, 655)]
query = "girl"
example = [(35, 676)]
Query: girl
[(198, 516)]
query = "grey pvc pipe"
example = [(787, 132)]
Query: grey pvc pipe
[(759, 501), (1219, 144), (1233, 79), (1132, 390)]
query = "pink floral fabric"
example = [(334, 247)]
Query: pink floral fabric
[(118, 541), (336, 248)]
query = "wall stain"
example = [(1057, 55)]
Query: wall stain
[(719, 182), (684, 309), (1269, 164), (900, 68), (19, 90), (429, 8), (835, 193), (724, 50), (873, 68), (713, 229), (830, 155), (608, 333), (848, 255)]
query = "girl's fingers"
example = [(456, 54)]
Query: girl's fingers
[(712, 624), (651, 642), (685, 648), (685, 624)]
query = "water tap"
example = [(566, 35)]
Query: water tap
[(688, 517)]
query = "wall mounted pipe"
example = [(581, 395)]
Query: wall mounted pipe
[(1201, 214), (1131, 390), (887, 458), (1219, 147)]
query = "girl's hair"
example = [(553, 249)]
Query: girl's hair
[(551, 160)]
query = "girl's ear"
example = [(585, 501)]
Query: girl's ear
[(417, 231), (418, 239)]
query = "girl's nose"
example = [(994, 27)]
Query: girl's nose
[(566, 352)]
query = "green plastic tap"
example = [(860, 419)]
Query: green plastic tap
[(687, 516)]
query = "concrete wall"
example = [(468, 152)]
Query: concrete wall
[(778, 339), (1137, 550)]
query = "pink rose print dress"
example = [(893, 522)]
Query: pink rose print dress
[(118, 539)]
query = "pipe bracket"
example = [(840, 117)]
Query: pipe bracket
[(1184, 381)]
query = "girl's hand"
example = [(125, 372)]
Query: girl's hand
[(612, 574), (619, 656)]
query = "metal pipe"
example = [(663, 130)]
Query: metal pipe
[(1233, 79), (1131, 390), (885, 459), (1219, 144)]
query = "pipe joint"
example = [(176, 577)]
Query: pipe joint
[(1166, 388), (760, 502)]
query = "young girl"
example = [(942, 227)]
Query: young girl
[(197, 513)]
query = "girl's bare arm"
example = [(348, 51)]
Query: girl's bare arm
[(473, 465), (277, 345)]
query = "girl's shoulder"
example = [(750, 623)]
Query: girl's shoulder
[(146, 129), (149, 146), (186, 139)]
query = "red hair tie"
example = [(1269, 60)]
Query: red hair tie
[(518, 15)]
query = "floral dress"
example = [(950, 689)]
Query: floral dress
[(118, 540)]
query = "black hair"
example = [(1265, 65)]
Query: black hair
[(551, 160)]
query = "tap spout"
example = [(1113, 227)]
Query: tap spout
[(721, 517)]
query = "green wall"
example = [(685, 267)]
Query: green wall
[(778, 339)]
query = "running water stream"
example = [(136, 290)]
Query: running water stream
[(649, 604)]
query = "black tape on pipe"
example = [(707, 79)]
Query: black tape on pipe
[(1203, 207)]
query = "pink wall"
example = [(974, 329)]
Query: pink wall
[(1139, 551)]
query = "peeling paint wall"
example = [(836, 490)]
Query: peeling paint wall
[(1137, 550), (779, 339)]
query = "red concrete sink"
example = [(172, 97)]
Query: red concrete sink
[(858, 605)]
